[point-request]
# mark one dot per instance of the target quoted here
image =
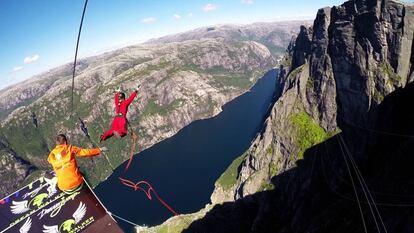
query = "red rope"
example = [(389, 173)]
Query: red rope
[(141, 184), (147, 191), (134, 143)]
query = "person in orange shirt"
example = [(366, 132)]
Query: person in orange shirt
[(62, 159)]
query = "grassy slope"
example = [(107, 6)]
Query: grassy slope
[(307, 132), (229, 177)]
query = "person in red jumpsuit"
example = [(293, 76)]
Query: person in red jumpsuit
[(119, 126)]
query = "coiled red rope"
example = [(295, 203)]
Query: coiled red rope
[(142, 185)]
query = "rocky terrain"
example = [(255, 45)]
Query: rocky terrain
[(12, 168), (343, 112), (341, 70), (181, 82), (274, 35)]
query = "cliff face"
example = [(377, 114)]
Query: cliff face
[(340, 71), (318, 195), (13, 170)]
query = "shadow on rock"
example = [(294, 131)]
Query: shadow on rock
[(318, 194)]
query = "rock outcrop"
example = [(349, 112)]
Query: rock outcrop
[(13, 170), (341, 70)]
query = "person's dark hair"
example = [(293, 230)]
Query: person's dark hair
[(122, 95), (61, 139)]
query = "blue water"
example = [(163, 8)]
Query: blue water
[(184, 168)]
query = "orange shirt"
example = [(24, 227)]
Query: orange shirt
[(63, 161)]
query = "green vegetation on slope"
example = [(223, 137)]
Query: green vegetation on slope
[(307, 133), (152, 108), (378, 95), (394, 79), (27, 141), (5, 113), (229, 177), (269, 150), (295, 72), (266, 186), (223, 77), (178, 223), (178, 226), (238, 81)]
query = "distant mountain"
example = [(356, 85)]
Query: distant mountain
[(26, 92), (274, 35), (181, 82)]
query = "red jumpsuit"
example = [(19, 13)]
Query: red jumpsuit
[(119, 124)]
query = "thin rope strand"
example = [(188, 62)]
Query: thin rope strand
[(363, 180), (76, 56), (356, 193)]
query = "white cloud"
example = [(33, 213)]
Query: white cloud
[(177, 16), (148, 20), (190, 15), (31, 59), (17, 68), (210, 7), (247, 2)]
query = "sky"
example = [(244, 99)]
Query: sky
[(37, 35)]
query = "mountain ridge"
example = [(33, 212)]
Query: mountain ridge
[(274, 35), (286, 29)]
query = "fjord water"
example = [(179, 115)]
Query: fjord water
[(184, 168)]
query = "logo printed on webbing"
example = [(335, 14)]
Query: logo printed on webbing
[(54, 210), (33, 193), (69, 224), (52, 186), (25, 228), (29, 213), (20, 207)]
